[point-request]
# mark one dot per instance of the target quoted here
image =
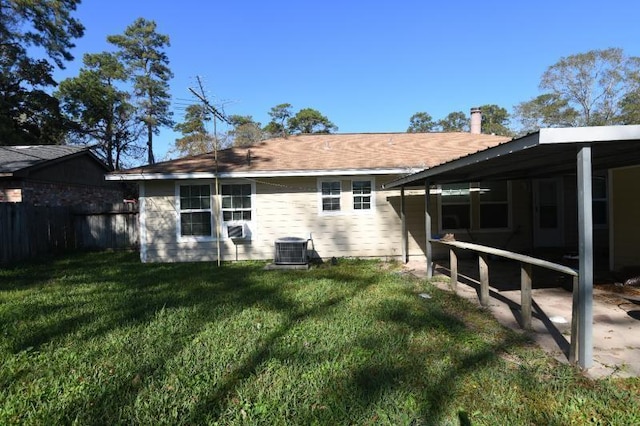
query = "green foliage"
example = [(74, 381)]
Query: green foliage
[(246, 131), (28, 113), (630, 108), (142, 50), (421, 122), (594, 88), (456, 121), (548, 110), (102, 339), (278, 125), (195, 138), (309, 120), (99, 110), (495, 120)]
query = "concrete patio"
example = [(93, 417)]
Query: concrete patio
[(616, 315)]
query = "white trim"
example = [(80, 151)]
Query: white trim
[(589, 134), (142, 218), (321, 211), (257, 174), (212, 199), (250, 226), (372, 208)]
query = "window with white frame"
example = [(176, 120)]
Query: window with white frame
[(361, 190), (331, 192), (236, 202), (494, 205), (455, 206), (195, 210)]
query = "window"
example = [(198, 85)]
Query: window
[(195, 210), (331, 196), (236, 202), (456, 206), (361, 190), (475, 206), (599, 200), (494, 205)]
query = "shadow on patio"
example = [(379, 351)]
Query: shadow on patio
[(616, 329)]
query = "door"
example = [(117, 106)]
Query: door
[(547, 213)]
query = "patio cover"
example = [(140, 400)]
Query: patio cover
[(545, 153)]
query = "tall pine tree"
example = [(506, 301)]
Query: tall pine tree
[(142, 50), (28, 112)]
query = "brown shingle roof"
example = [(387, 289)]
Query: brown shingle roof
[(333, 152)]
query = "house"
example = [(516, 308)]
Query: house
[(55, 175), (573, 188), (325, 188), (523, 194)]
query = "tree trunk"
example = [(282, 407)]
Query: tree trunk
[(150, 144)]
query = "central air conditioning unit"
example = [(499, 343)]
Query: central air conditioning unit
[(291, 251), (236, 232)]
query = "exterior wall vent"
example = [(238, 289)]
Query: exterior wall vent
[(291, 251)]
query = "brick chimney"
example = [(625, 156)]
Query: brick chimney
[(476, 121)]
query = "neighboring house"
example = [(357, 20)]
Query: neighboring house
[(325, 188), (55, 175)]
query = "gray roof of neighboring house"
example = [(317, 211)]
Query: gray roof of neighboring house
[(16, 158)]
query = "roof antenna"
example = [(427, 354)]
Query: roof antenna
[(217, 115)]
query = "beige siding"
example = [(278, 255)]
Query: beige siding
[(625, 220), (287, 207), (290, 207)]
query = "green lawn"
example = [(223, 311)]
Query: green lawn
[(102, 339)]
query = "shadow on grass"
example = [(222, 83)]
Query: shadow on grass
[(114, 291), (111, 290), (433, 371), (215, 403)]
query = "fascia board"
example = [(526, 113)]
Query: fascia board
[(231, 175)]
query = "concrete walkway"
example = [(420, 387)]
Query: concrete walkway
[(616, 328)]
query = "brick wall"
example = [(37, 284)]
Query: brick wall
[(58, 194)]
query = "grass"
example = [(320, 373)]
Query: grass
[(101, 339)]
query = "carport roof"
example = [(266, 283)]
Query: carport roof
[(546, 152)]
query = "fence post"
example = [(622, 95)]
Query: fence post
[(484, 279), (573, 346), (453, 266), (525, 294)]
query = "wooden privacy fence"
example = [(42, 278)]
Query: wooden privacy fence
[(526, 264), (27, 231)]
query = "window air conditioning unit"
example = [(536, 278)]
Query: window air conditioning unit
[(236, 232), (291, 251)]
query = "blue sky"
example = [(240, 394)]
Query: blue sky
[(368, 66)]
